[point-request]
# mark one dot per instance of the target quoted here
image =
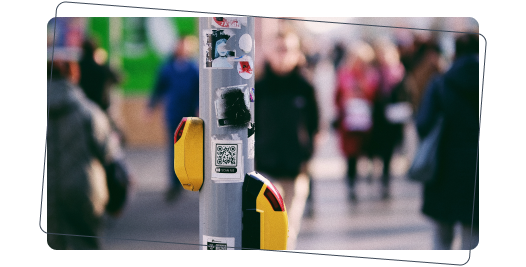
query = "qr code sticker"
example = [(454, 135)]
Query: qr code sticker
[(226, 155)]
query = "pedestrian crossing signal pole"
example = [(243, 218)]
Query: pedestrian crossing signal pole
[(226, 106)]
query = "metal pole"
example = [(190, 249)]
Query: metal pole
[(226, 82)]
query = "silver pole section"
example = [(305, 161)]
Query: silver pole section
[(226, 82)]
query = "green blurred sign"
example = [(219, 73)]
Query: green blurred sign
[(98, 28), (143, 44)]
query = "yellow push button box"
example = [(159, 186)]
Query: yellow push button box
[(265, 222), (188, 153)]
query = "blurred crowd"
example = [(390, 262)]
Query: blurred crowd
[(381, 87)]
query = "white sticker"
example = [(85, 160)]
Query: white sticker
[(218, 243), (245, 43), (251, 147), (216, 54), (227, 161), (245, 67), (228, 22)]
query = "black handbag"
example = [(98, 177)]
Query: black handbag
[(425, 164), (118, 185)]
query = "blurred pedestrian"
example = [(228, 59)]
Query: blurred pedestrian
[(97, 78), (287, 118), (422, 61), (177, 87), (83, 156), (387, 131), (311, 52), (423, 65), (405, 43), (453, 197), (357, 86), (337, 54)]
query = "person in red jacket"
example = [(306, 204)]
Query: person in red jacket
[(357, 85)]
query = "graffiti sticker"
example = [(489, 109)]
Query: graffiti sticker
[(216, 52), (232, 106), (245, 67)]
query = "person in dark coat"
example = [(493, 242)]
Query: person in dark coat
[(96, 80), (81, 145), (286, 114), (453, 196)]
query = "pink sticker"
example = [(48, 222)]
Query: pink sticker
[(229, 22)]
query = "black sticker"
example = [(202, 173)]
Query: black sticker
[(235, 111)]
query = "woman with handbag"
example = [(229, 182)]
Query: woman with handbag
[(451, 196)]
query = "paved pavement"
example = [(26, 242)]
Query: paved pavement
[(336, 224)]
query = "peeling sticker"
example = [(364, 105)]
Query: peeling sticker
[(251, 147), (247, 98), (245, 43), (227, 161), (232, 106), (251, 129), (245, 67), (218, 243), (251, 140), (228, 22), (216, 54)]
